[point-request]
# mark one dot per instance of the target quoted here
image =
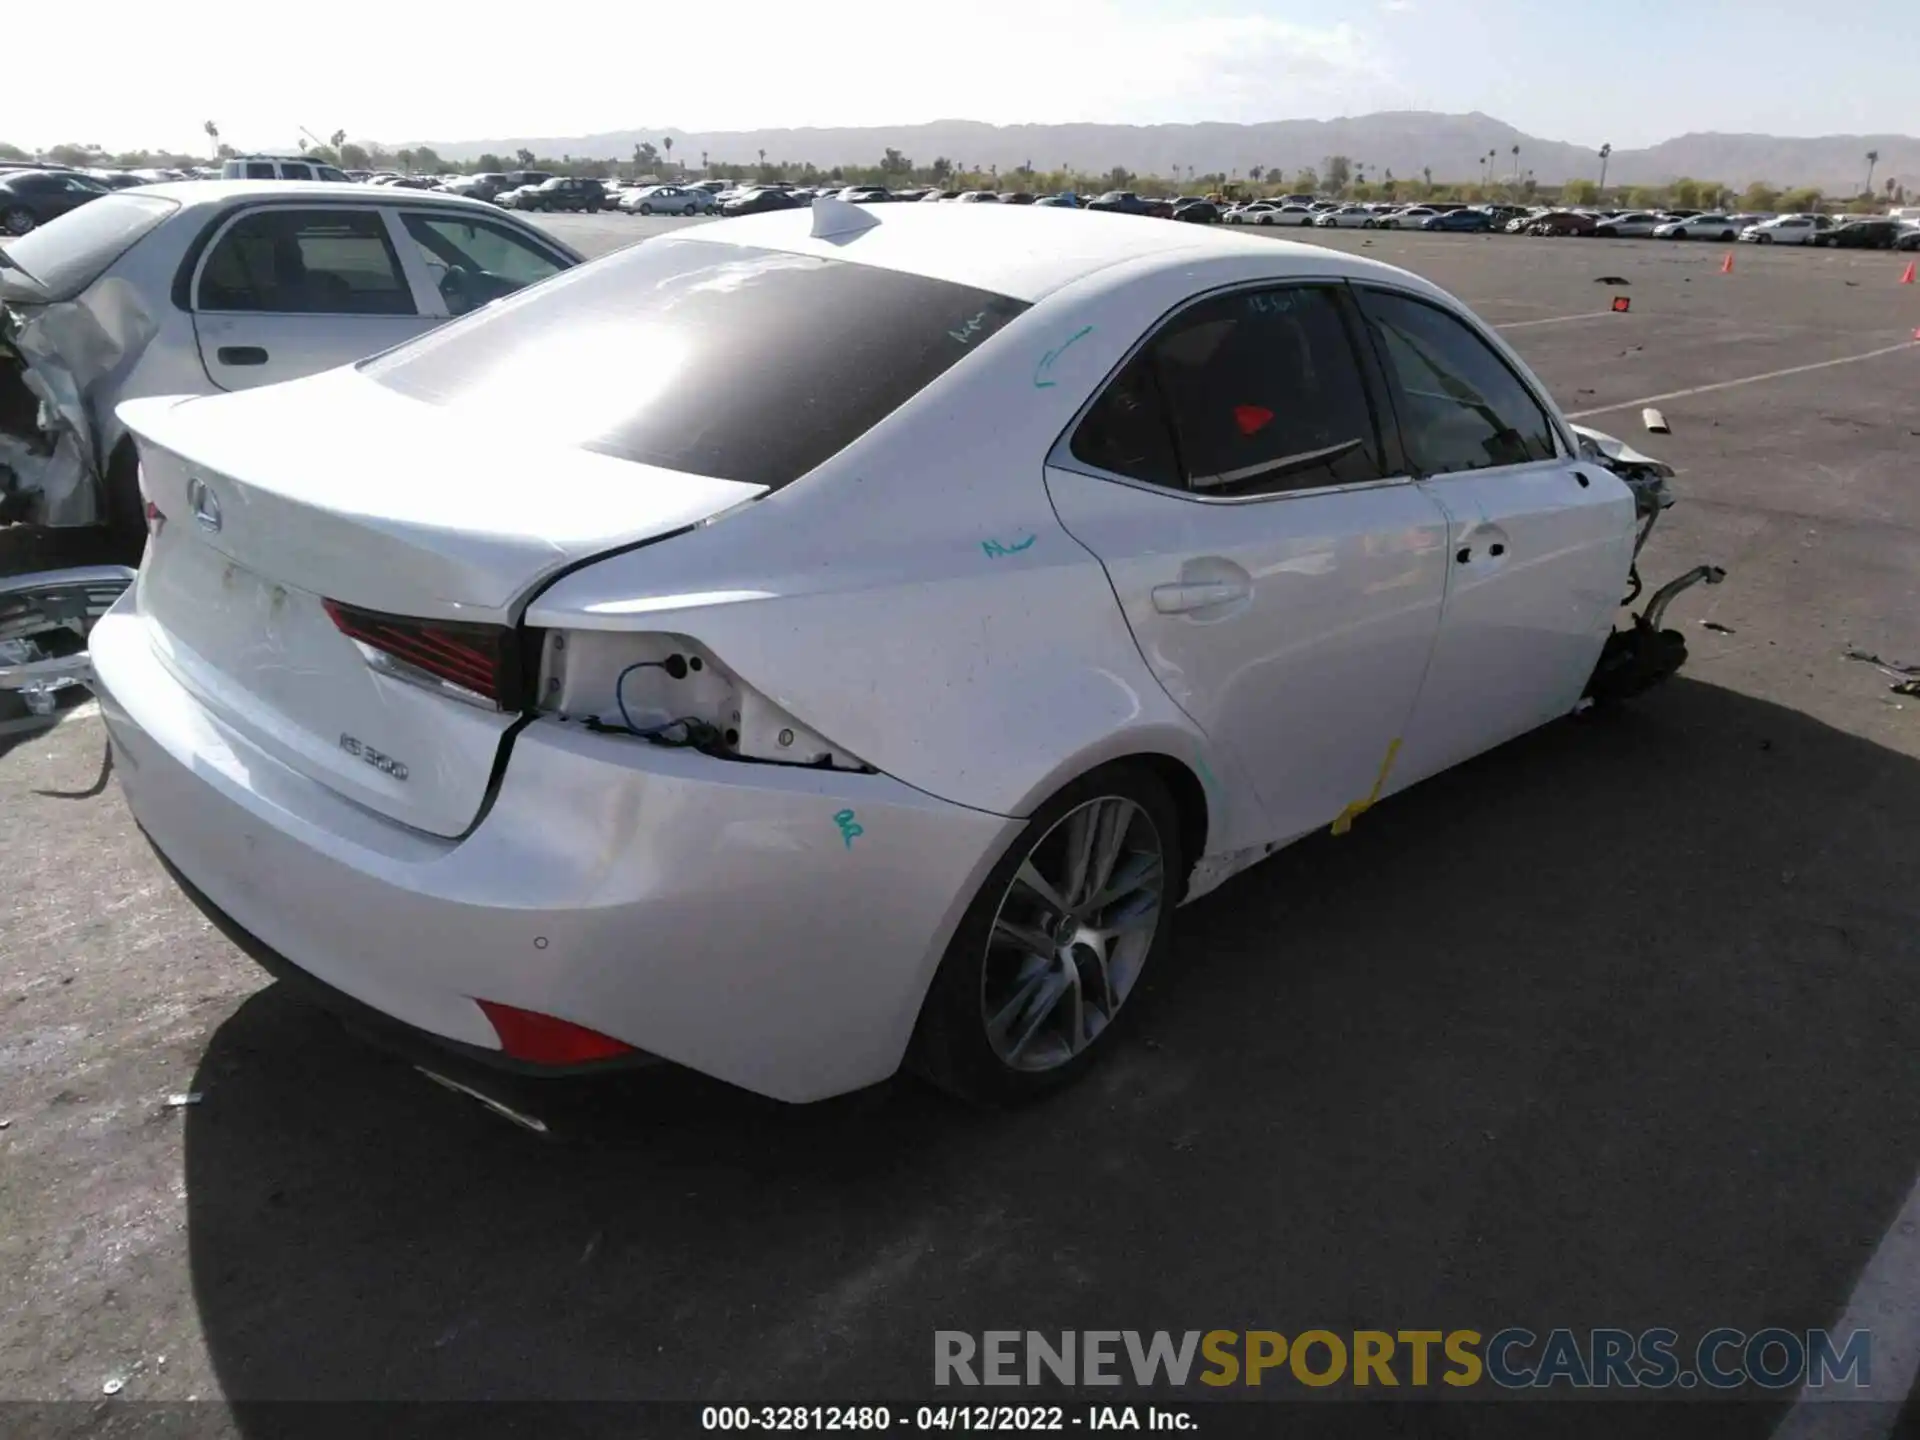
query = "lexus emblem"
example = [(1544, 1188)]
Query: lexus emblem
[(204, 504)]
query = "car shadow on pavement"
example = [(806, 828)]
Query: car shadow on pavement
[(1610, 1028)]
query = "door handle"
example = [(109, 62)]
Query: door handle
[(1197, 595), (240, 355)]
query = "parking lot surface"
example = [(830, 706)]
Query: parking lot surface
[(1612, 1027)]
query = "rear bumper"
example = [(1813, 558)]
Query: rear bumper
[(704, 911)]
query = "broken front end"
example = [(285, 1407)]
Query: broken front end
[(1642, 655)]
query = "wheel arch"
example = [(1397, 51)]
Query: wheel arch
[(1197, 815)]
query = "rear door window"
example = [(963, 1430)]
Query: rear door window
[(1461, 406), (295, 172), (258, 171), (722, 360), (1256, 392), (306, 262)]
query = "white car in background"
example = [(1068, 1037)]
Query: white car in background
[(1248, 214), (1699, 227), (1356, 217), (667, 200), (183, 289), (1409, 218), (1787, 230), (848, 667)]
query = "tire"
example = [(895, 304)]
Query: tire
[(1730, 235), (646, 209), (18, 220), (1369, 225), (952, 1045), (125, 514), (1763, 239)]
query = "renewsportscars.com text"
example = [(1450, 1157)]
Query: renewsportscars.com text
[(1513, 1358)]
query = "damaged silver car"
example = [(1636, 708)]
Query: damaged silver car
[(194, 288)]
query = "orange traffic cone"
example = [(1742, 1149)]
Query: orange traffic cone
[(1726, 265), (1906, 277)]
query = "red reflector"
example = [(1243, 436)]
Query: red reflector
[(544, 1040), (479, 658), (154, 518), (1252, 419)]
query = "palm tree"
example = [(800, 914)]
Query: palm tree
[(1516, 164), (337, 139), (1606, 153), (703, 161), (666, 143), (213, 134), (763, 159), (1255, 172), (1873, 159)]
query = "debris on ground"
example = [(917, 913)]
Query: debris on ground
[(189, 1097), (1717, 627), (1890, 667), (1655, 421)]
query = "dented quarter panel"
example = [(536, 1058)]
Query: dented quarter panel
[(80, 357)]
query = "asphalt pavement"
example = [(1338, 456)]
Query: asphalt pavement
[(1611, 1027)]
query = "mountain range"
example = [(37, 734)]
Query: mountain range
[(1405, 142)]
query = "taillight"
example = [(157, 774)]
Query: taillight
[(546, 1039), (476, 663), (155, 520)]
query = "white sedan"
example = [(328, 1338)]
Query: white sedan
[(850, 667), (222, 285), (666, 200), (1787, 230), (1409, 218), (1357, 217), (1699, 227)]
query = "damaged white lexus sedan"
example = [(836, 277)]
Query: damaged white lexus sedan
[(201, 287), (874, 624)]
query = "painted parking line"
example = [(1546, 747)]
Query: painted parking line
[(1886, 1303), (1744, 380), (1550, 320)]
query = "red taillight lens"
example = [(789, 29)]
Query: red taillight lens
[(545, 1040), (483, 660), (155, 520)]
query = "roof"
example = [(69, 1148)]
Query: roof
[(1023, 251), (195, 194)]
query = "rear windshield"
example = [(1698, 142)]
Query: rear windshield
[(745, 364), (68, 253)]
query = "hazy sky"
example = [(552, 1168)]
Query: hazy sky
[(1628, 71)]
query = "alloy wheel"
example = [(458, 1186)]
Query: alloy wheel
[(1072, 933)]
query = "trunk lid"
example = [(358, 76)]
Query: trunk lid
[(425, 533)]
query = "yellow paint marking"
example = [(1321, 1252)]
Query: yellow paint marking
[(1343, 822)]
